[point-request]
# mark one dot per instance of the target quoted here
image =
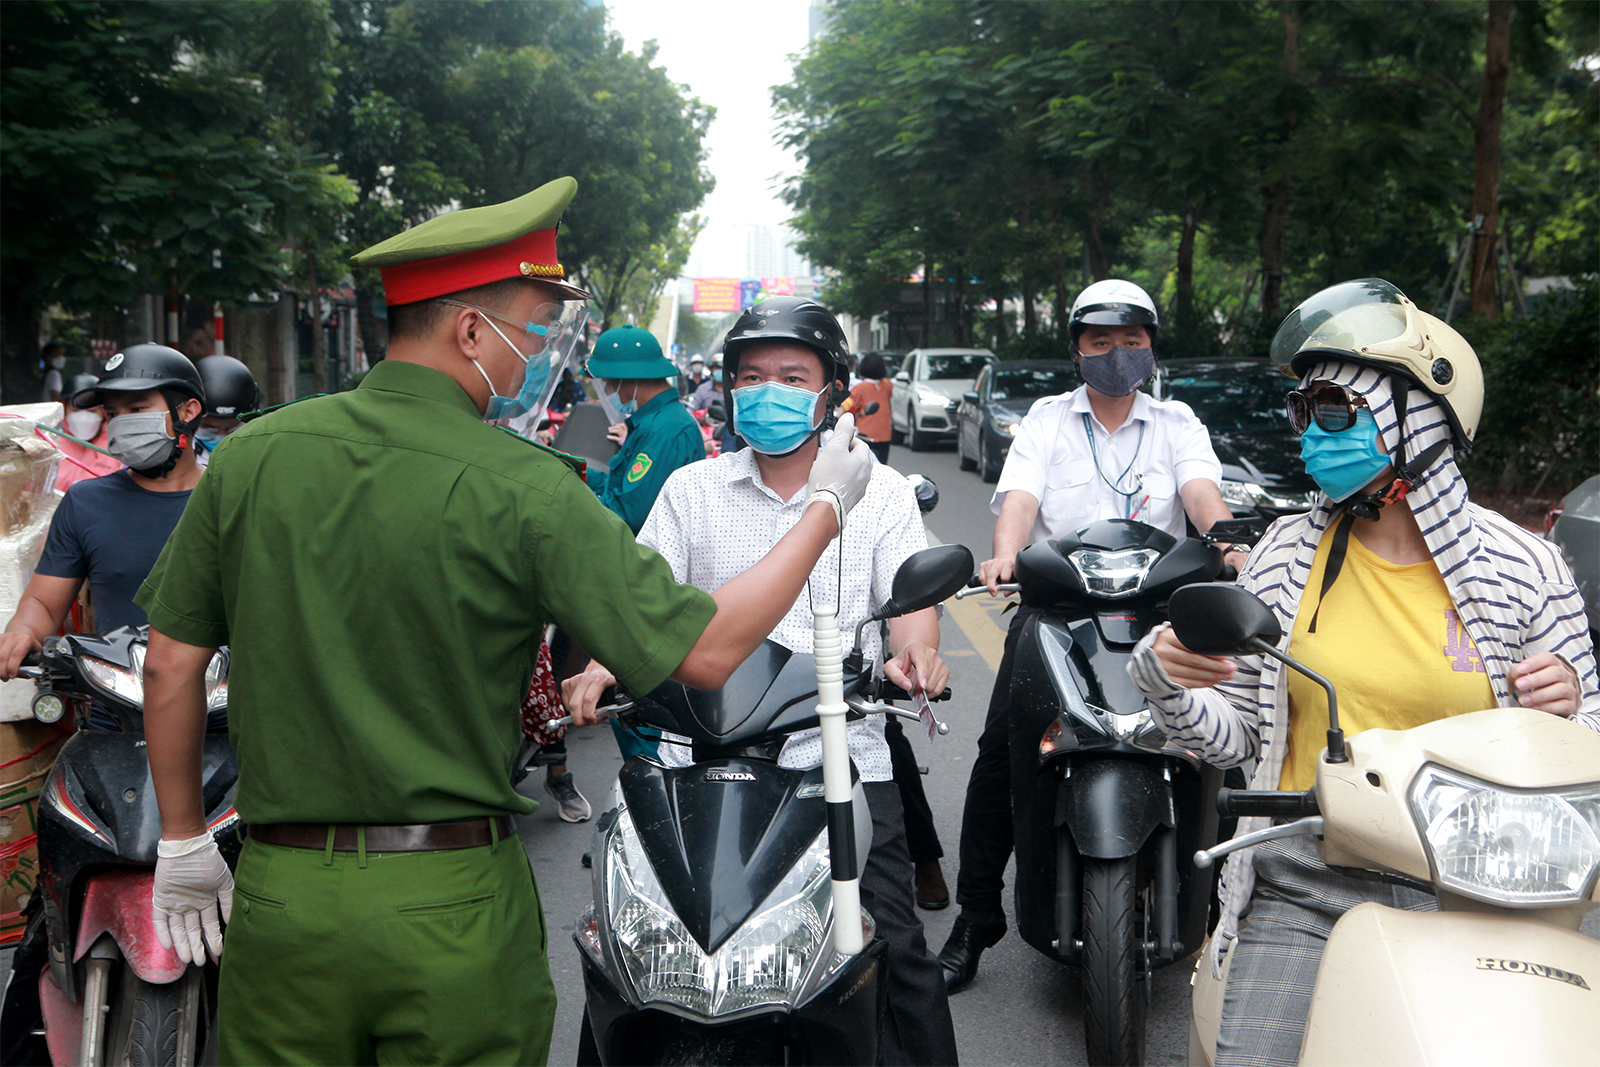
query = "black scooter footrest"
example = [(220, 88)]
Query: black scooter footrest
[(1269, 803)]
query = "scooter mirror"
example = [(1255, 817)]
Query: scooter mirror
[(716, 412), (1221, 620), (926, 578)]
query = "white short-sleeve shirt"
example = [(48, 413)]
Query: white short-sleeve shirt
[(715, 519), (1081, 473)]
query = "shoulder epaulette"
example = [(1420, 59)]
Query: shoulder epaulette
[(251, 416), (578, 464)]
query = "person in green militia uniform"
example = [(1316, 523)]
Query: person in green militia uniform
[(382, 564), (657, 437)]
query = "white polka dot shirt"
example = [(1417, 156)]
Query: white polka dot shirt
[(716, 519)]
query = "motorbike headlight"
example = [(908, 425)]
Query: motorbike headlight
[(1251, 495), (217, 682), (121, 682), (766, 961), (1113, 574), (127, 683), (1506, 846)]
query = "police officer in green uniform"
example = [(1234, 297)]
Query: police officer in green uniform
[(383, 564), (658, 435)]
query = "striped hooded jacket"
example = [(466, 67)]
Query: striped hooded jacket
[(1512, 590)]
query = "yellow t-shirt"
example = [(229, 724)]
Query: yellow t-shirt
[(1389, 640)]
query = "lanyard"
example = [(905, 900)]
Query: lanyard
[(1128, 510)]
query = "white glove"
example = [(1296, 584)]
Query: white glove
[(842, 469), (193, 894)]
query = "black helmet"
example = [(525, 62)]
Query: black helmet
[(138, 368), (789, 318), (230, 388), (79, 383)]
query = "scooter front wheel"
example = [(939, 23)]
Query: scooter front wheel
[(156, 1025), (1114, 996)]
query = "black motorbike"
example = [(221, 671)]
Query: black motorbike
[(1103, 805), (111, 993), (710, 938)]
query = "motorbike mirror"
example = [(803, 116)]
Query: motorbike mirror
[(1247, 530), (1221, 620), (716, 413), (926, 578), (1224, 620)]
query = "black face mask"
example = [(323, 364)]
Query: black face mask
[(1119, 371)]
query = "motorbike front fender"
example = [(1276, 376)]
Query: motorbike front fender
[(1395, 987), (117, 902), (1111, 806)]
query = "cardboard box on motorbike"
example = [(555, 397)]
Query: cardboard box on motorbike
[(28, 750)]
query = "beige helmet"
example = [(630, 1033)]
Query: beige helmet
[(1369, 321)]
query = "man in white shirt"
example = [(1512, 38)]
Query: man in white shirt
[(1103, 451), (782, 359)]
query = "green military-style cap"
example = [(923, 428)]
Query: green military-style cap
[(629, 352), (476, 246)]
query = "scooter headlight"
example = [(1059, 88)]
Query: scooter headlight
[(127, 683), (767, 961), (1113, 574), (1510, 847)]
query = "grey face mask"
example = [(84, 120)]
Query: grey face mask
[(1119, 371), (140, 440)]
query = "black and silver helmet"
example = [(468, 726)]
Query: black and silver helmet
[(139, 368), (230, 388)]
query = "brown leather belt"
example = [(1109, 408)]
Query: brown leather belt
[(412, 837)]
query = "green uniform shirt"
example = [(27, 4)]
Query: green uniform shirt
[(382, 564), (662, 437)]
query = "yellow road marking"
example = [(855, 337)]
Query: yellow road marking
[(980, 620)]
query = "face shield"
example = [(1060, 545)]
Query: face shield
[(546, 344), (1364, 317)]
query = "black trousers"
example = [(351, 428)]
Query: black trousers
[(879, 449), (986, 829), (917, 1027), (922, 836)]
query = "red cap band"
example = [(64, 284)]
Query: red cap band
[(533, 255)]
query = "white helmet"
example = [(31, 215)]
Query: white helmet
[(1113, 302)]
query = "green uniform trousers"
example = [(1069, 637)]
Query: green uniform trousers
[(385, 958)]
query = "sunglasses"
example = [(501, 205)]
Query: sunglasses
[(1328, 404)]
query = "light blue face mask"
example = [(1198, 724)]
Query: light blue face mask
[(1342, 463), (775, 419), (210, 438), (535, 375), (615, 395)]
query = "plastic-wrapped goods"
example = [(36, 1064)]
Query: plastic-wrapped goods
[(27, 501)]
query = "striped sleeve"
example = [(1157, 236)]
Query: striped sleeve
[(1219, 723)]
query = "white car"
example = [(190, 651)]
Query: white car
[(928, 390)]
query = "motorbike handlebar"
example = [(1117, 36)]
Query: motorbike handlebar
[(32, 659), (1267, 802), (894, 692)]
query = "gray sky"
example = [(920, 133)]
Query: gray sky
[(729, 53)]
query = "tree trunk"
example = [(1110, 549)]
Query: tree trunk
[(959, 329), (1060, 304), (1030, 315), (319, 342), (1099, 267), (1486, 160), (1000, 331), (20, 381), (927, 302), (1275, 222), (1183, 310), (374, 338)]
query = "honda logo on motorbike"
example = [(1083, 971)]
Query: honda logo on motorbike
[(717, 775), (1485, 963)]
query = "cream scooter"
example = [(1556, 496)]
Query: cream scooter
[(1497, 812)]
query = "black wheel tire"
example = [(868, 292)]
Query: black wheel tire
[(961, 453), (156, 1025), (990, 472), (1115, 997), (914, 440)]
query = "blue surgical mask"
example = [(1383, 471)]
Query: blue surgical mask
[(716, 375), (1342, 463), (209, 438), (775, 419), (615, 395), (534, 378)]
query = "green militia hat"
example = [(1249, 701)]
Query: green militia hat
[(629, 352)]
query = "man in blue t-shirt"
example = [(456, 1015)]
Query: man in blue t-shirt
[(109, 530)]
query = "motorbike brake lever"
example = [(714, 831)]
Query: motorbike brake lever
[(30, 672), (609, 711), (1309, 825), (866, 707), (1006, 587)]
